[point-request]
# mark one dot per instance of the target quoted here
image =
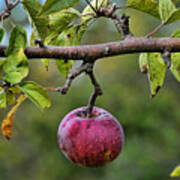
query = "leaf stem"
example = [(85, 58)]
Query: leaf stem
[(155, 30)]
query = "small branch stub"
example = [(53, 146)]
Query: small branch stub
[(167, 58)]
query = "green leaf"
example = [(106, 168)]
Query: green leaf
[(69, 37), (16, 66), (13, 77), (176, 34), (45, 62), (143, 62), (36, 94), (17, 40), (51, 6), (2, 98), (175, 65), (157, 70), (7, 97), (10, 97), (166, 9), (175, 59), (176, 172), (32, 6), (2, 32), (40, 24), (147, 6), (175, 16), (64, 66), (14, 90), (32, 38), (86, 14), (1, 67), (59, 21)]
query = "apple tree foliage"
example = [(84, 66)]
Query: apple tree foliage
[(59, 23)]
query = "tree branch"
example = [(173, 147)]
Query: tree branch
[(121, 22), (90, 52), (71, 76)]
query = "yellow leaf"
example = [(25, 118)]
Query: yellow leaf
[(6, 126), (176, 172)]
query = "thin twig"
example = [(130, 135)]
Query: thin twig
[(9, 6), (12, 5), (71, 76), (96, 5), (96, 92), (121, 23), (155, 30), (88, 68), (7, 3), (91, 6), (101, 5)]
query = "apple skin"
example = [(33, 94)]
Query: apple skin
[(90, 142)]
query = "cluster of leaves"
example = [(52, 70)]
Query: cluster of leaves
[(58, 17), (13, 70), (56, 23), (155, 64)]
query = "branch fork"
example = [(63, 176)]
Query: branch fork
[(87, 68), (121, 23), (9, 7)]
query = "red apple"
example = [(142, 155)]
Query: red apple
[(90, 142)]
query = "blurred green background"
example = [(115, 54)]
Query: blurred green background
[(152, 127)]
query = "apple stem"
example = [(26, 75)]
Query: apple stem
[(96, 92)]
